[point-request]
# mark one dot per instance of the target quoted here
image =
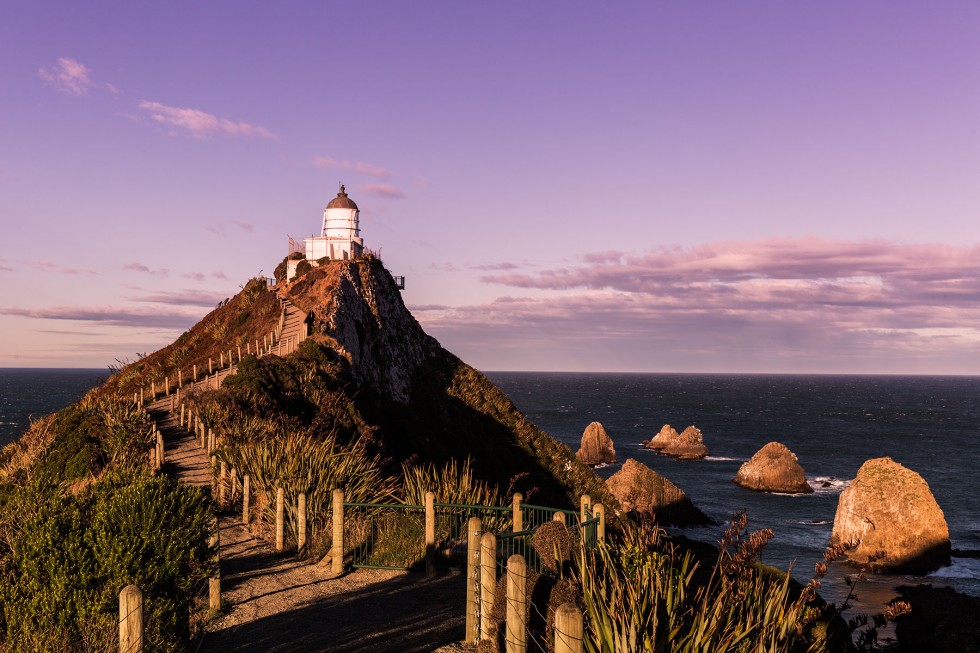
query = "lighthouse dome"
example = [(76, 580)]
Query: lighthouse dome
[(342, 201)]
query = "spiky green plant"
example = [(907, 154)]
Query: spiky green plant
[(301, 463), (641, 594), (451, 483)]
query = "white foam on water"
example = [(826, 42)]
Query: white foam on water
[(724, 459), (827, 484), (961, 568)]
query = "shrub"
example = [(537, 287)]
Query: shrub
[(67, 557)]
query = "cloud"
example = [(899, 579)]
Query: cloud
[(183, 298), (777, 304), (201, 124), (6, 268), (69, 76), (244, 226), (48, 266), (200, 276), (139, 267), (381, 190), (491, 267), (363, 168), (110, 315)]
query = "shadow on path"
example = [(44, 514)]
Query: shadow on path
[(410, 612)]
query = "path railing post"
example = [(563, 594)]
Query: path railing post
[(430, 533), (474, 530), (131, 619), (599, 511), (585, 507), (337, 552), (516, 620), (214, 582), (280, 527), (246, 496), (222, 476), (568, 629), (488, 582), (301, 521), (518, 513), (559, 517)]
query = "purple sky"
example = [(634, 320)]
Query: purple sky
[(657, 186)]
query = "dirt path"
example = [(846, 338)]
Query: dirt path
[(278, 602)]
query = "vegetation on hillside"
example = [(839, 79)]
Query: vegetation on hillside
[(81, 517)]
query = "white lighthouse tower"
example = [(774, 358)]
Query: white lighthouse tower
[(340, 235)]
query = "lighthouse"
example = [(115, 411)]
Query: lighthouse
[(340, 235)]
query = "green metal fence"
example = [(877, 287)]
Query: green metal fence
[(392, 536)]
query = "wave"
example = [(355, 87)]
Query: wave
[(827, 484), (812, 522), (725, 459), (960, 568)]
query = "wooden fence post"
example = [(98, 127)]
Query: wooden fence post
[(131, 620), (166, 386), (239, 353), (488, 582), (337, 553), (473, 532), (280, 513), (214, 582), (141, 396), (161, 459), (518, 513), (245, 499), (153, 390), (182, 416), (234, 484), (222, 475), (194, 380), (600, 530), (568, 629), (516, 624), (559, 517), (301, 521), (430, 533)]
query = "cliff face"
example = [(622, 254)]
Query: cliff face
[(358, 305), (426, 404)]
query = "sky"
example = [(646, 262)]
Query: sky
[(757, 187)]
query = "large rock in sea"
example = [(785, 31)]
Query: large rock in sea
[(597, 446), (773, 468), (889, 508), (637, 487), (688, 445)]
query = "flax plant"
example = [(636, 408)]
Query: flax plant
[(299, 462), (642, 594)]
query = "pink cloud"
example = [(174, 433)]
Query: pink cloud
[(139, 267), (48, 266), (381, 190), (68, 76), (201, 124), (506, 265), (327, 162), (183, 298), (779, 304), (113, 316), (244, 226)]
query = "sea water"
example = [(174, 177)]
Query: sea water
[(832, 423), (27, 394)]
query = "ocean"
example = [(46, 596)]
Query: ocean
[(832, 423), (27, 394)]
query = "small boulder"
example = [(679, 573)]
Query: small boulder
[(688, 445), (637, 487), (597, 447), (773, 468), (890, 514)]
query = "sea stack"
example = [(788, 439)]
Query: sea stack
[(773, 468), (688, 445), (889, 508), (597, 447), (637, 487)]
